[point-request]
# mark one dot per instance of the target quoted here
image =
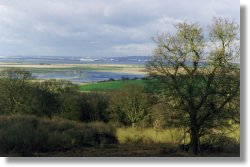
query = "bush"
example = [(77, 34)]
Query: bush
[(217, 142), (27, 135), (22, 135)]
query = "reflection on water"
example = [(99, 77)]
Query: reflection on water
[(78, 76)]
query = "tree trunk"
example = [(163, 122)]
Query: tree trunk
[(194, 136), (133, 125), (194, 142)]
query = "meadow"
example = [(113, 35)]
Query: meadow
[(109, 85)]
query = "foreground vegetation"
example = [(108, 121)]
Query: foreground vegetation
[(29, 135), (33, 136)]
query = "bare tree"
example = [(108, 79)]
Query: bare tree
[(200, 73)]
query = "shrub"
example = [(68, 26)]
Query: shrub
[(22, 135), (26, 135), (217, 142)]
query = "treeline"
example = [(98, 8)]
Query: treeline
[(53, 115), (134, 105), (19, 94)]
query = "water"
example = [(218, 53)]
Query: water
[(78, 76), (84, 76), (140, 60)]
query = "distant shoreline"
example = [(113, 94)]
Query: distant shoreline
[(125, 68), (80, 73)]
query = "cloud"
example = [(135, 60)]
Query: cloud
[(135, 49), (59, 31), (99, 27)]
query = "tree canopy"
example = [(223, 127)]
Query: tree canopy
[(200, 73)]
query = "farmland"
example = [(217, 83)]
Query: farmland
[(109, 85)]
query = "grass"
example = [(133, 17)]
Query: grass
[(148, 136), (109, 85)]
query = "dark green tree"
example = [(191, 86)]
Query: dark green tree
[(58, 97), (41, 102), (94, 107)]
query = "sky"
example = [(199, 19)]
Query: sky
[(99, 28)]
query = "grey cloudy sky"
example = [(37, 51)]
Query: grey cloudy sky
[(99, 27)]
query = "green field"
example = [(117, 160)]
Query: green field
[(109, 85)]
